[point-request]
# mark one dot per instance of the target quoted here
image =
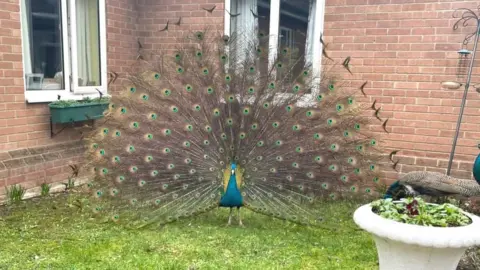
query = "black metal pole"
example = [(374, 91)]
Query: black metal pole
[(464, 100)]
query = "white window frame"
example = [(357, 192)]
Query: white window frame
[(70, 69), (103, 51), (274, 26)]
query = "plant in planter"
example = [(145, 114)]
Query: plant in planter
[(68, 111), (416, 211), (71, 111), (412, 234)]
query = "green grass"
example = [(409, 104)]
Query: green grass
[(51, 233)]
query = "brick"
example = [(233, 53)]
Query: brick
[(19, 153), (51, 156), (406, 160), (37, 177), (439, 170), (461, 174), (388, 24), (15, 180), (4, 156), (416, 108), (399, 31), (429, 132), (413, 7), (60, 146), (14, 163), (32, 160), (54, 171), (426, 162), (4, 174), (465, 166), (411, 168), (17, 137), (72, 153)]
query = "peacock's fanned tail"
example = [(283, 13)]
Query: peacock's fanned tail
[(164, 144)]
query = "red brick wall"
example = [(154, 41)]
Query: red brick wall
[(405, 49), (15, 119), (154, 15), (28, 154), (123, 17)]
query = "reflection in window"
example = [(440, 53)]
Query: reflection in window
[(42, 44), (294, 17), (88, 43), (296, 21)]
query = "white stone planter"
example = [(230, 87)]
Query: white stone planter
[(404, 246)]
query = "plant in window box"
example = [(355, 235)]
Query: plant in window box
[(69, 111), (412, 234)]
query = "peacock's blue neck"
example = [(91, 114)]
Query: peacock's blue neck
[(390, 190), (232, 183), (476, 169), (232, 196)]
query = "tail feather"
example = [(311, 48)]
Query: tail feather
[(187, 113)]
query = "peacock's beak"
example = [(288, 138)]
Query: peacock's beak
[(233, 172)]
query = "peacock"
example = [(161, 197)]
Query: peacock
[(435, 184), (216, 122)]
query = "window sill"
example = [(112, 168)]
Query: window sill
[(50, 97)]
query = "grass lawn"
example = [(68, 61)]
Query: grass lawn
[(53, 234)]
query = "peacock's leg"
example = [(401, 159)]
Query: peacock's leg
[(239, 217), (230, 217)]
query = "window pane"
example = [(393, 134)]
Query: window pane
[(88, 42), (263, 19), (294, 28), (42, 44), (263, 9)]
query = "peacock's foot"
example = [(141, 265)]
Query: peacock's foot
[(241, 224)]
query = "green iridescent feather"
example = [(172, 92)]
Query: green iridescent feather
[(185, 115)]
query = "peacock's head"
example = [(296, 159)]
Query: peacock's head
[(397, 191), (393, 187)]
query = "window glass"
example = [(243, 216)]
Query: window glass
[(296, 23), (293, 28), (88, 43), (42, 44)]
